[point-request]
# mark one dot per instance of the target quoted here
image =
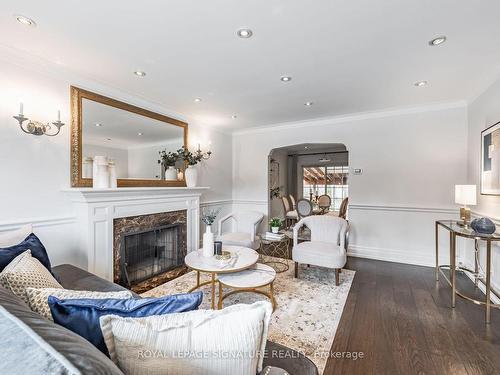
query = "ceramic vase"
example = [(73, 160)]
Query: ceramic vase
[(171, 173), (100, 173), (208, 242), (191, 176), (113, 182), (275, 229)]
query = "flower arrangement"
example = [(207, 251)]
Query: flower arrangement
[(191, 158), (208, 216), (169, 159)]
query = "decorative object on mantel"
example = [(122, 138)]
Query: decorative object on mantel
[(113, 182), (192, 159), (101, 172), (465, 195), (483, 225), (490, 160), (167, 161), (275, 224), (208, 218), (37, 127)]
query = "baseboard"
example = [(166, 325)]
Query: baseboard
[(38, 222), (391, 255)]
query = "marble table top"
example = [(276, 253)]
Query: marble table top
[(254, 277), (241, 258)]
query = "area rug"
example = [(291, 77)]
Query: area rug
[(308, 308)]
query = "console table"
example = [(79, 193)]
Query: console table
[(455, 230)]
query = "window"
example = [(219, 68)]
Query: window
[(326, 180)]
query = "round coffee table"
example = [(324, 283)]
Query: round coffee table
[(257, 276), (241, 259)]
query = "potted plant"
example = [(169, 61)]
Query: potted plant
[(275, 224), (168, 160), (208, 218), (191, 159)]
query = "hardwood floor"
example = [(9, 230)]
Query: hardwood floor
[(401, 320)]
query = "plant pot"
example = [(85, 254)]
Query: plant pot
[(191, 176), (208, 242), (275, 229), (171, 173)]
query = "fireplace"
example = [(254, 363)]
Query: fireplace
[(150, 253), (149, 249)]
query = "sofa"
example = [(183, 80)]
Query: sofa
[(89, 360)]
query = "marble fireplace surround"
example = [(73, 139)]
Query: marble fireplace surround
[(96, 210)]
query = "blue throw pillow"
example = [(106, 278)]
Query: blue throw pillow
[(7, 254), (82, 315)]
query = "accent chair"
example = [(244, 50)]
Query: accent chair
[(245, 229), (327, 247)]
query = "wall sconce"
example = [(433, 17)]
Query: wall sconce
[(36, 127), (203, 155)]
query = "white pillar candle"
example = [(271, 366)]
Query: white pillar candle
[(58, 115), (21, 109)]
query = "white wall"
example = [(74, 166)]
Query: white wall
[(483, 112), (411, 161), (34, 170)]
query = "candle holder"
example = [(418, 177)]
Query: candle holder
[(37, 127)]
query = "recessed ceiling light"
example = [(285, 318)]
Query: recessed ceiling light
[(98, 124), (234, 117), (308, 104), (437, 41), (140, 73), (420, 83), (139, 133), (286, 79), (25, 20), (197, 100), (244, 33)]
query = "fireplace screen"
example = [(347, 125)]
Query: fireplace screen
[(149, 253)]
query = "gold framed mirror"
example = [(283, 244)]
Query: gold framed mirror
[(129, 136)]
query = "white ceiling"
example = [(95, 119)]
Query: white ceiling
[(345, 56)]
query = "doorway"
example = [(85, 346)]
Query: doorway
[(307, 171)]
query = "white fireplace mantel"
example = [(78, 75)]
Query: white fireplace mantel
[(96, 209)]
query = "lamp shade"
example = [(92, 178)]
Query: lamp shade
[(465, 194)]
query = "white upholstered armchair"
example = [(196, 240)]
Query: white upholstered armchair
[(327, 247), (245, 229)]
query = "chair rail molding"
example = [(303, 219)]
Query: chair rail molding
[(372, 207), (38, 222)]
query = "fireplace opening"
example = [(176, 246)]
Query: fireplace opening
[(146, 254)]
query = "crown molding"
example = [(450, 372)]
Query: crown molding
[(353, 117)]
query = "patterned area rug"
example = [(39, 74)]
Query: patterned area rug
[(308, 308)]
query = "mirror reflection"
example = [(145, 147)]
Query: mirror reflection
[(131, 142)]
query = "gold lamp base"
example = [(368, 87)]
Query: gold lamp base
[(464, 217)]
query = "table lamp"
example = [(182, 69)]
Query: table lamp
[(465, 195)]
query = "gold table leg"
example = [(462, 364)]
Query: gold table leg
[(437, 252), (488, 281), (213, 291), (453, 267), (476, 266)]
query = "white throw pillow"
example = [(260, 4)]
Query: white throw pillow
[(25, 271), (224, 342), (15, 237), (38, 297)]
